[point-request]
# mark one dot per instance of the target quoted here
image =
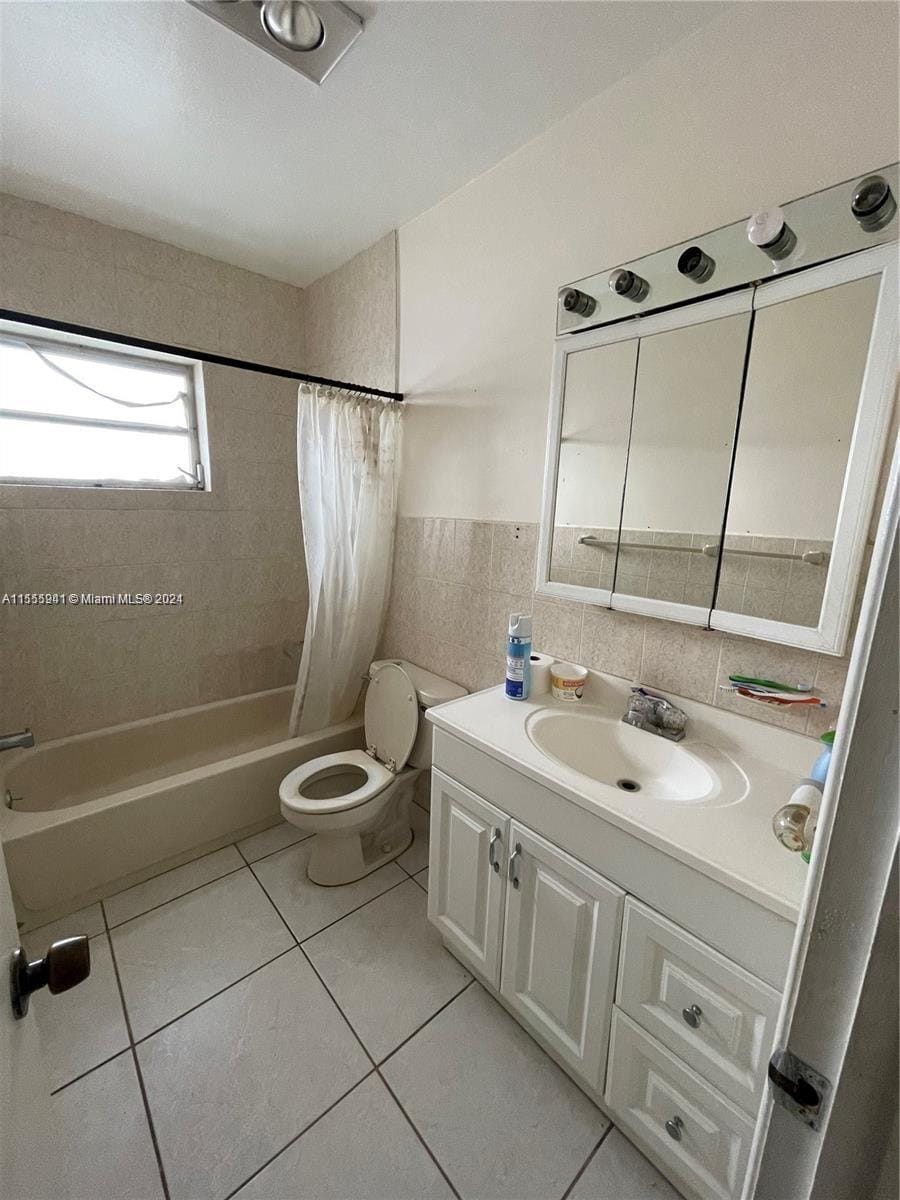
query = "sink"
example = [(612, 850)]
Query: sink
[(636, 763)]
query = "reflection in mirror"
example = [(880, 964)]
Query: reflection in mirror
[(685, 410), (806, 367), (593, 453)]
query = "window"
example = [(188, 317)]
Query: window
[(84, 413)]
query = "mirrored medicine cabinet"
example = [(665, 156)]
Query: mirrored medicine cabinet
[(717, 463)]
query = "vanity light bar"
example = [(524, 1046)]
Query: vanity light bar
[(840, 220)]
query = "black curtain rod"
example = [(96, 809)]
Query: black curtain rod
[(220, 360)]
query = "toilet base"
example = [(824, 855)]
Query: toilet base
[(334, 861), (343, 857)]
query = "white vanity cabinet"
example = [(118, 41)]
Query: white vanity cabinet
[(668, 1031), (537, 926)]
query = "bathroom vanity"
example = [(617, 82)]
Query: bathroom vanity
[(624, 898)]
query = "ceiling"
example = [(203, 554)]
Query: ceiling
[(148, 115)]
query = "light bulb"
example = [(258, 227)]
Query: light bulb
[(293, 24)]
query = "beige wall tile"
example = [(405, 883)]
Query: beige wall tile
[(681, 659), (513, 557), (557, 628), (612, 642), (472, 552)]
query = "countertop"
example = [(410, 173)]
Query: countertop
[(731, 842)]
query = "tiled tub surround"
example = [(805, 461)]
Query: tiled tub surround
[(234, 552), (758, 585), (456, 581), (276, 1062)]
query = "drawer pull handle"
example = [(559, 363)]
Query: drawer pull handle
[(674, 1126), (692, 1015), (494, 862), (512, 872)]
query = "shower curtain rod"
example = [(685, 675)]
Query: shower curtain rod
[(219, 360)]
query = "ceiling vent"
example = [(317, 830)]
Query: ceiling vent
[(312, 37)]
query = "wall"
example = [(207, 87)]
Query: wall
[(763, 104), (234, 552)]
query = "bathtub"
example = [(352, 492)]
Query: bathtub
[(87, 815)]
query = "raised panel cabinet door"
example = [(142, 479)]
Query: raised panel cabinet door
[(560, 947), (466, 878)]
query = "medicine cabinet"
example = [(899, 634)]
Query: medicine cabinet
[(717, 463)]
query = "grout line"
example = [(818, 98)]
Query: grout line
[(302, 941), (347, 1020), (305, 1129), (172, 899), (96, 1067), (228, 986), (415, 1130), (139, 1073), (584, 1166), (428, 1021)]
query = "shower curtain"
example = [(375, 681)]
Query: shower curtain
[(348, 461)]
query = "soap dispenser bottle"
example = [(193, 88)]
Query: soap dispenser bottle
[(518, 656)]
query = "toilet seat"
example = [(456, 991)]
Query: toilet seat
[(295, 782)]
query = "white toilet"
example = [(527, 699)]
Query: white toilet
[(356, 802)]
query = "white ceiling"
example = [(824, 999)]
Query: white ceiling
[(149, 115)]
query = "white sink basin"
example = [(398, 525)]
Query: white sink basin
[(636, 762)]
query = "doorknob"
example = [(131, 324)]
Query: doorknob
[(66, 964)]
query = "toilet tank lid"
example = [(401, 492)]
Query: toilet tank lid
[(430, 688)]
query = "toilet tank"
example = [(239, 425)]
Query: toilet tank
[(430, 689)]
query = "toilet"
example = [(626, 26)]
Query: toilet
[(356, 802)]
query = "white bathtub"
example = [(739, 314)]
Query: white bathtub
[(99, 811)]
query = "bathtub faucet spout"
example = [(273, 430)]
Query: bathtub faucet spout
[(16, 741)]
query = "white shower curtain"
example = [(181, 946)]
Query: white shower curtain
[(348, 460)]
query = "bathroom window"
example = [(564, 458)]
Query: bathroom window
[(81, 413)]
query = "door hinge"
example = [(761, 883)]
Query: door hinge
[(799, 1088)]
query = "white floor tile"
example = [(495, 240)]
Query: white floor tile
[(386, 968), (305, 906), (416, 857), (502, 1119), (87, 921), (108, 1152), (176, 956), (363, 1149), (422, 879), (83, 1027), (232, 1082), (171, 884), (618, 1171), (270, 840)]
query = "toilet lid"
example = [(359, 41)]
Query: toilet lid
[(392, 715)]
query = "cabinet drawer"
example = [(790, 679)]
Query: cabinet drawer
[(700, 1138), (715, 1015)]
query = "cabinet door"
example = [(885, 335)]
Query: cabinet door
[(560, 946), (467, 873)]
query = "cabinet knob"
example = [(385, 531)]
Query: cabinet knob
[(495, 862), (674, 1127), (692, 1015)]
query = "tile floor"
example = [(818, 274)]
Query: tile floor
[(246, 1034)]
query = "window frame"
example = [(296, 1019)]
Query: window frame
[(100, 350)]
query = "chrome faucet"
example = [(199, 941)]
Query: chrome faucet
[(16, 741), (655, 714)]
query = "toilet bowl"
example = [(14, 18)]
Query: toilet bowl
[(356, 803)]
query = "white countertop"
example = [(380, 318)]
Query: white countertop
[(731, 842)]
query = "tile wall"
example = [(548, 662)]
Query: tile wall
[(455, 583), (235, 552)]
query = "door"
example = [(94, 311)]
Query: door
[(830, 1020), (466, 879), (560, 945), (29, 1147)]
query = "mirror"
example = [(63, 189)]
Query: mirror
[(682, 436), (593, 452), (717, 463), (804, 379)]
